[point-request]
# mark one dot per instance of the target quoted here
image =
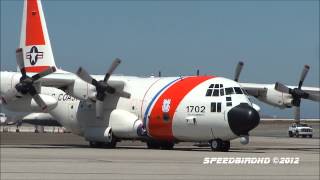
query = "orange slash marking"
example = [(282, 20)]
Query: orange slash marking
[(160, 123)]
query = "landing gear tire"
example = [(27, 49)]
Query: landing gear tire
[(152, 144), (112, 144), (219, 145), (109, 145), (96, 144), (290, 134), (165, 145)]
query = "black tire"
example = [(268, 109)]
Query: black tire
[(219, 145), (95, 144), (112, 144), (216, 144), (152, 144), (225, 146), (304, 136), (310, 136), (166, 145), (290, 134)]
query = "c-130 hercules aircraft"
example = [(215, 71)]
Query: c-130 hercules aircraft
[(160, 111)]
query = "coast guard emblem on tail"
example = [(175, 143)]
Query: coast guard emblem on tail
[(33, 55)]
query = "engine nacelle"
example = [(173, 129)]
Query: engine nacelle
[(124, 124), (82, 90), (8, 81), (276, 98), (27, 104)]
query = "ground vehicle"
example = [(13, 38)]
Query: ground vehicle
[(3, 118), (300, 129)]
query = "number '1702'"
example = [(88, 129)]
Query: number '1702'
[(196, 109)]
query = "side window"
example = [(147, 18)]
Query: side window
[(238, 90), (216, 107), (213, 107), (222, 92), (229, 101)]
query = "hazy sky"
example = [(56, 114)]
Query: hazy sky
[(274, 39)]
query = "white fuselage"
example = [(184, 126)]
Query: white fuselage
[(170, 108)]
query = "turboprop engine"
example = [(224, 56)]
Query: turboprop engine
[(125, 124), (122, 124)]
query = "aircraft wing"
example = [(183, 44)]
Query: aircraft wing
[(58, 80), (255, 90), (261, 90)]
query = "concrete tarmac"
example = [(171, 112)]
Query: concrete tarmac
[(66, 156)]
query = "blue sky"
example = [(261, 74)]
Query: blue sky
[(274, 39)]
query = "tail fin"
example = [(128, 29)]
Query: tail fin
[(34, 38)]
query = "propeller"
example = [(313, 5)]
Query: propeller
[(238, 71), (297, 93), (26, 83), (102, 87)]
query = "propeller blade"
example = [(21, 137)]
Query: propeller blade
[(303, 75), (82, 74), (40, 102), (99, 109), (20, 61), (296, 111), (8, 96), (314, 97), (113, 66), (281, 87), (123, 94), (238, 71), (43, 73)]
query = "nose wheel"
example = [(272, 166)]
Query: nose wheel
[(219, 145)]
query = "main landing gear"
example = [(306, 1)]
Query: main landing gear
[(153, 144), (219, 145), (109, 145)]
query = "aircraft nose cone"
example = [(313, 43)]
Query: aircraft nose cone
[(242, 119)]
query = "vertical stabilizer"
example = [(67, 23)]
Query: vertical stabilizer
[(34, 38)]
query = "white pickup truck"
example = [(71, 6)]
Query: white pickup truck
[(3, 118), (302, 130)]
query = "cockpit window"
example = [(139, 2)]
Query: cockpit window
[(209, 92), (215, 92), (229, 91), (222, 92), (238, 90), (218, 90)]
